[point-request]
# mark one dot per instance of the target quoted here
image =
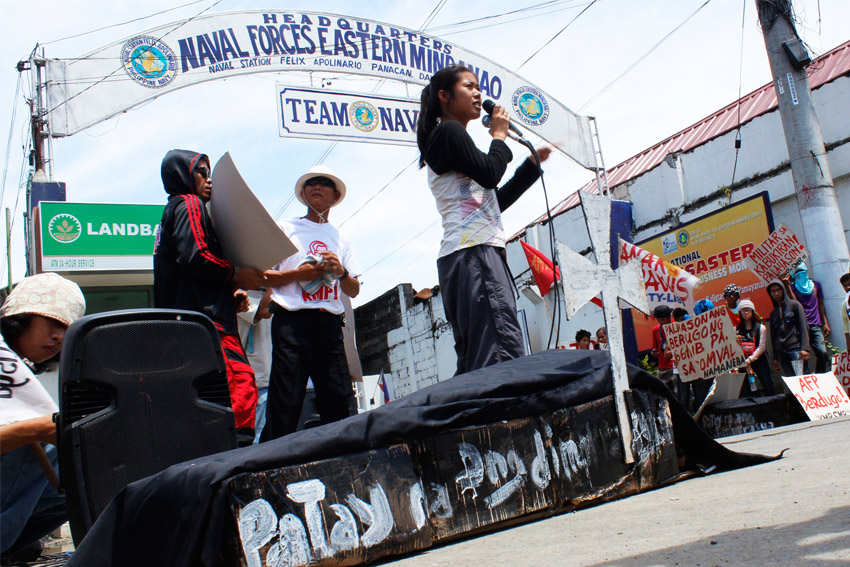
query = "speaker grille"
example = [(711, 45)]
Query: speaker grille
[(163, 398), (82, 399)]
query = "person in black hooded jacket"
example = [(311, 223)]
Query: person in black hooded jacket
[(789, 332), (191, 273)]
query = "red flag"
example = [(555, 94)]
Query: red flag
[(542, 268)]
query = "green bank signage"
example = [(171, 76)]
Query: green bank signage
[(98, 236)]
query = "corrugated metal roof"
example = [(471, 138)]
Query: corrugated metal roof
[(824, 69)]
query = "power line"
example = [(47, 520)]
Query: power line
[(510, 21), (493, 16), (332, 145), (379, 191), (21, 183), (123, 23), (740, 86), (394, 276), (586, 8), (412, 238), (641, 58), (172, 30), (9, 141), (433, 14)]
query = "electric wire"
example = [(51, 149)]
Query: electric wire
[(172, 30), (411, 239), (392, 278), (379, 191), (332, 145), (640, 59), (740, 86), (530, 57), (9, 141), (123, 23), (433, 14), (493, 16), (508, 22)]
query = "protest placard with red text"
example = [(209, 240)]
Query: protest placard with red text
[(841, 370), (820, 395), (704, 346), (777, 256), (665, 283)]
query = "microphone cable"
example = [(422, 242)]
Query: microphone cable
[(517, 136), (556, 310)]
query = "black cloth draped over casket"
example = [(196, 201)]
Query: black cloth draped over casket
[(178, 517)]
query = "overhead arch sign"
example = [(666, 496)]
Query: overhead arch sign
[(87, 90)]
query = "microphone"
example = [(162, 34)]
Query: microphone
[(514, 133)]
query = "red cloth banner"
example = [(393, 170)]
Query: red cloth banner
[(542, 268)]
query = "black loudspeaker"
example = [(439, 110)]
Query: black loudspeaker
[(140, 390)]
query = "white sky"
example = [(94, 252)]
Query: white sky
[(691, 74)]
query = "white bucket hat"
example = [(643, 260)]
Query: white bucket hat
[(319, 171), (47, 294)]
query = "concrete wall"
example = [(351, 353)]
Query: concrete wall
[(420, 348), (406, 336)]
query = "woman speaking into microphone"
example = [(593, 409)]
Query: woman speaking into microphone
[(478, 294)]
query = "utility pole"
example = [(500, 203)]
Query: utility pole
[(816, 200)]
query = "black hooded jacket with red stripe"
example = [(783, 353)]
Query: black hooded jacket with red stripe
[(189, 270)]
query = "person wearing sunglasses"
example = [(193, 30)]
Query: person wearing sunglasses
[(190, 273), (307, 310)]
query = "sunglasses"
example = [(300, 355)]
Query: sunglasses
[(323, 181), (203, 171)]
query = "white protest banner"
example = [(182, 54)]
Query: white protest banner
[(841, 370), (82, 91), (820, 395), (777, 256), (704, 346), (327, 115), (247, 233), (665, 283)]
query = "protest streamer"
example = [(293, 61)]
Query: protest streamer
[(821, 396), (841, 370), (665, 283), (777, 256), (704, 346)]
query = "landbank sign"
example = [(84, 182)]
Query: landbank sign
[(97, 236), (83, 91)]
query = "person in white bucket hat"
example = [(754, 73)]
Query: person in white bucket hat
[(33, 321), (307, 310)]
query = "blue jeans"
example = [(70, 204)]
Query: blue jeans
[(29, 507), (819, 359), (791, 362), (262, 401)]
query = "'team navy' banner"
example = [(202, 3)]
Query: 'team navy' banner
[(327, 115)]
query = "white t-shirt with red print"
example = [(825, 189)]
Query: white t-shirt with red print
[(312, 238)]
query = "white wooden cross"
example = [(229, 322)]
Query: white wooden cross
[(587, 279)]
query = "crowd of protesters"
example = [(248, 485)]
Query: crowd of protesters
[(790, 340)]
